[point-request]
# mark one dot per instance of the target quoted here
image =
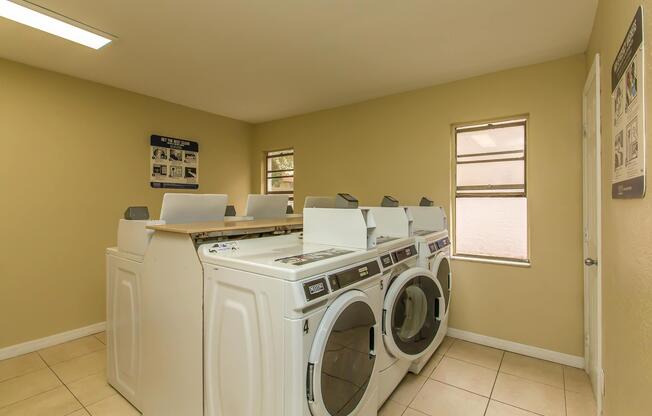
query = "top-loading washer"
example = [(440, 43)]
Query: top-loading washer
[(290, 328), (433, 243), (124, 273)]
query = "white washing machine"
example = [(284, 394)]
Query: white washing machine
[(413, 307), (124, 269), (290, 329), (435, 255)]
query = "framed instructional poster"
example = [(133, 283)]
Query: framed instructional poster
[(174, 163), (628, 114)]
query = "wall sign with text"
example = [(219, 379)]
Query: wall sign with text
[(174, 163), (628, 114)]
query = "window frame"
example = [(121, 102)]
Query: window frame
[(484, 126), (271, 154)]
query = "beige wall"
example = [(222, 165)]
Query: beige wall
[(400, 145), (74, 156), (627, 238)]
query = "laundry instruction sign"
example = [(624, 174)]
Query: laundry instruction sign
[(628, 114), (174, 163)]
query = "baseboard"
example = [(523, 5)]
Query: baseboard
[(528, 350), (38, 344)]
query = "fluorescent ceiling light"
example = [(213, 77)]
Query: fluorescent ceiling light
[(49, 24)]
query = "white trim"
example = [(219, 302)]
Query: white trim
[(514, 263), (38, 344), (528, 350)]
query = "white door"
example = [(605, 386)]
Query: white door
[(592, 231)]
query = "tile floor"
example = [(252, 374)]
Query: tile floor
[(461, 379), (67, 379), (466, 379)]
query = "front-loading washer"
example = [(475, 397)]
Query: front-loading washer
[(291, 328), (413, 305), (435, 255)]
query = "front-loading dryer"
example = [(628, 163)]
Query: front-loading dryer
[(413, 306), (291, 329)]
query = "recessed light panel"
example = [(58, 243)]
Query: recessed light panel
[(42, 21)]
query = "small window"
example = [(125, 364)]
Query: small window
[(279, 173), (491, 191)]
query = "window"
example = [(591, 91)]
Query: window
[(491, 191), (279, 173)]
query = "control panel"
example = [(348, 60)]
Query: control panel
[(439, 244), (404, 253), (443, 243), (386, 260), (315, 288), (353, 275)]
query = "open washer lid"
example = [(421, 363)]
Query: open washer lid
[(342, 358), (413, 309)]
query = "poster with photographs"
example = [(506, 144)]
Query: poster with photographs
[(628, 112), (174, 163)]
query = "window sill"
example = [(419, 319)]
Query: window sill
[(491, 261)]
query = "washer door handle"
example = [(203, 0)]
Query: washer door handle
[(372, 342), (310, 386)]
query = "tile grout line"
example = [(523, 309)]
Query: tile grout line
[(520, 408), (502, 357), (444, 355), (96, 337), (428, 378), (64, 384), (73, 358), (526, 379), (24, 374), (451, 385), (30, 372), (496, 381), (30, 397), (475, 363)]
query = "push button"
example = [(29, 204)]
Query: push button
[(335, 283)]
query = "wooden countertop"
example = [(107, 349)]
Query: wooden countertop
[(219, 226)]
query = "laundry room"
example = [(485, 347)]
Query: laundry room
[(325, 208)]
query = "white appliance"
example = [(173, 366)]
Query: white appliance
[(266, 206), (319, 202), (290, 328), (433, 243), (413, 302), (124, 268), (180, 208)]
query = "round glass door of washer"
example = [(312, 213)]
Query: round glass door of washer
[(413, 308)]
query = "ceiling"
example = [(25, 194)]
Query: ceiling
[(259, 60)]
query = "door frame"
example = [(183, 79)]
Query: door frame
[(594, 76)]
